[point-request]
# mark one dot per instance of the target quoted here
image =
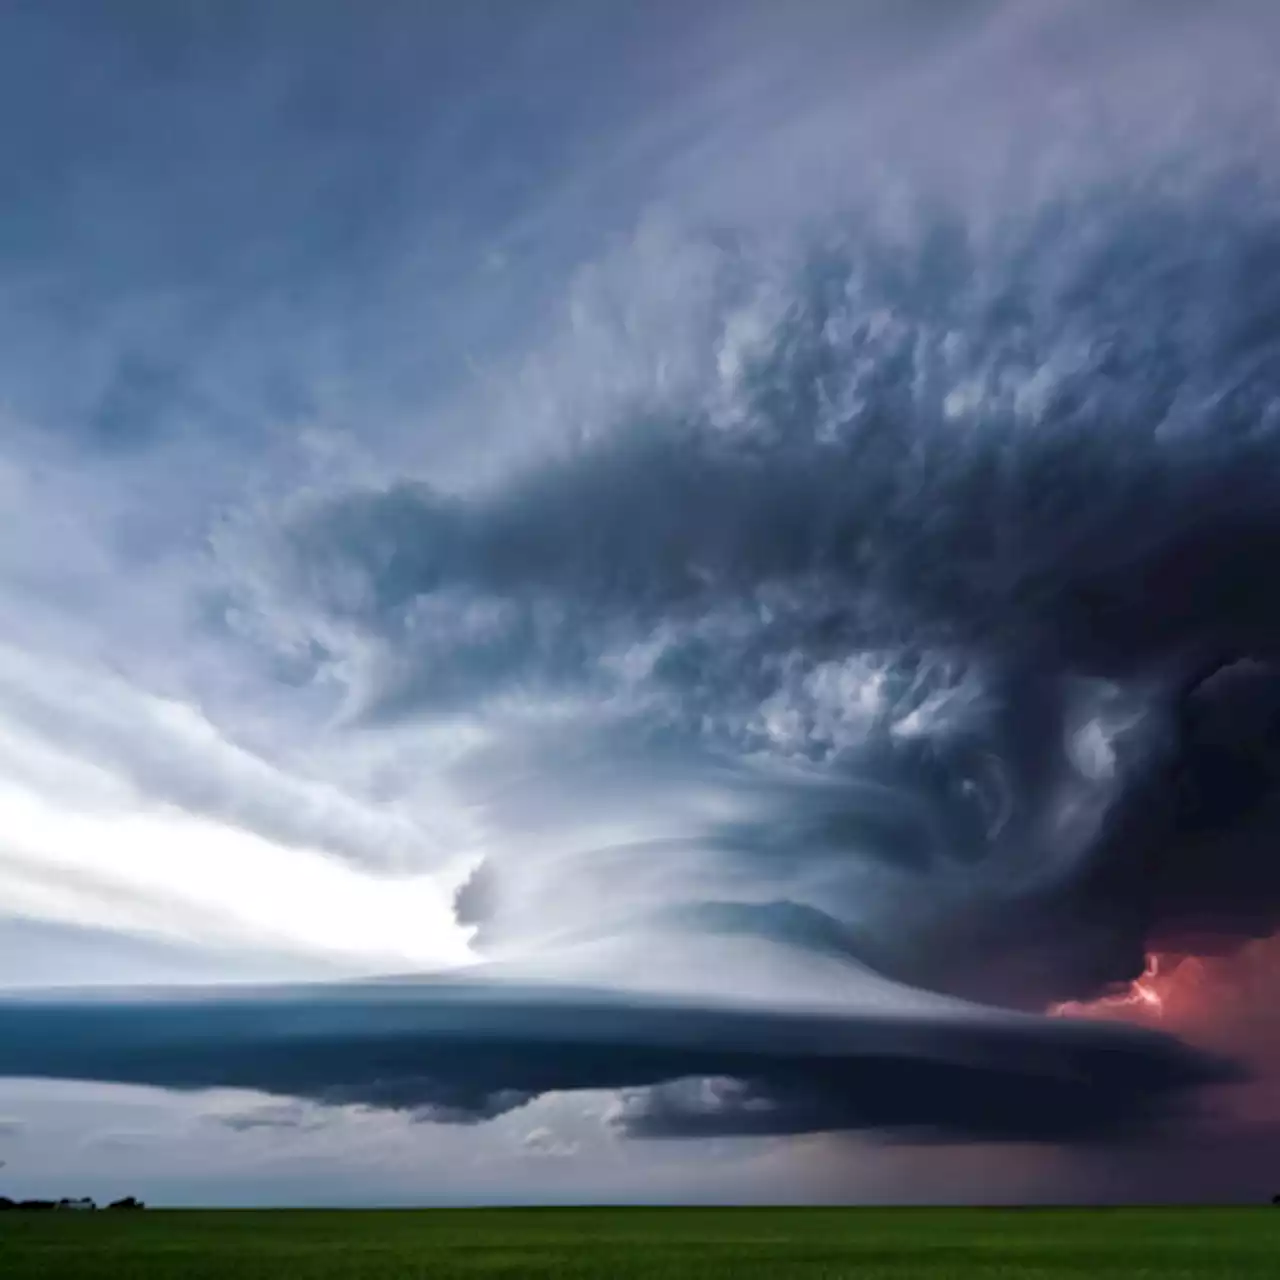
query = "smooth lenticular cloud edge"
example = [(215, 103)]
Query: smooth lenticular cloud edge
[(467, 1051)]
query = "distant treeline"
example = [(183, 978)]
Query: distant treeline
[(129, 1202)]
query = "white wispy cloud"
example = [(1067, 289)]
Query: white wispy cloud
[(123, 810)]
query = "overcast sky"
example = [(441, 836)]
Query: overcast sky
[(700, 503)]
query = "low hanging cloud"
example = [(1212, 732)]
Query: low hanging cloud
[(462, 1051)]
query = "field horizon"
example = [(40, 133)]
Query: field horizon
[(1170, 1241)]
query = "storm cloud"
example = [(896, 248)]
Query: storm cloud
[(776, 527), (949, 526), (457, 1052)]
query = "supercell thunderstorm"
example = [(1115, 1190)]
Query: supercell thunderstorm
[(887, 657), (956, 567)]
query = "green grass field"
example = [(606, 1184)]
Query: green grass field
[(1161, 1244)]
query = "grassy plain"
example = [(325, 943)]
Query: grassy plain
[(658, 1244)]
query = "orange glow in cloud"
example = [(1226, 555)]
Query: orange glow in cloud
[(1164, 986), (1224, 1003)]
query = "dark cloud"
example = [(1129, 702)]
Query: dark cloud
[(876, 617), (958, 531), (468, 1051), (1057, 431)]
